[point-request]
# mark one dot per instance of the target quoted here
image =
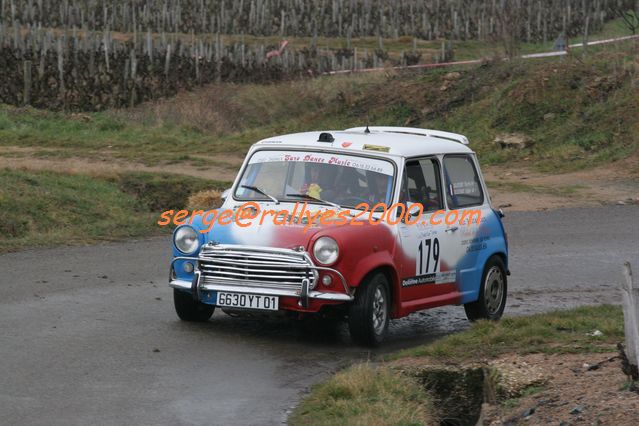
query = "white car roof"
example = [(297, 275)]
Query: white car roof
[(399, 141)]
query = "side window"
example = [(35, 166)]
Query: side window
[(421, 184), (462, 182)]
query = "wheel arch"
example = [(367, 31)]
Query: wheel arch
[(480, 307), (504, 258), (393, 284), (471, 279)]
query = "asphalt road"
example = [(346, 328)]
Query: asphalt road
[(89, 335)]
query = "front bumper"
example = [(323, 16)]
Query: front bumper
[(303, 295), (322, 295)]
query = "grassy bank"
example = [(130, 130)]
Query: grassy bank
[(579, 111), (556, 332), (343, 398), (47, 208), (365, 395)]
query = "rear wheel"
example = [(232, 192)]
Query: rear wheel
[(369, 314), (190, 310), (492, 294)]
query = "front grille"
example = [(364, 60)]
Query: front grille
[(271, 268)]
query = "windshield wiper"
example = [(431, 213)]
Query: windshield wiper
[(261, 191), (319, 200)]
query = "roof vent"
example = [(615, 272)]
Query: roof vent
[(326, 137)]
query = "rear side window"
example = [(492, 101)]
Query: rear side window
[(462, 182), (421, 184)]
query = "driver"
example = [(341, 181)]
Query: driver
[(377, 186), (347, 187), (312, 187)]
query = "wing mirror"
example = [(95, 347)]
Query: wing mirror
[(225, 194), (412, 209)]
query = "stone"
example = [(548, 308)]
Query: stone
[(514, 141), (578, 409), (549, 116), (447, 84)]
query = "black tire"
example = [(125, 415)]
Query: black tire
[(190, 310), (369, 313), (492, 293)]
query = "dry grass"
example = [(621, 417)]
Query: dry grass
[(208, 199), (366, 395), (223, 109)]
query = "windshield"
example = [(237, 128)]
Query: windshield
[(342, 179)]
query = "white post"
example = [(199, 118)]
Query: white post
[(630, 298)]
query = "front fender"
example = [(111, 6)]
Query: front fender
[(369, 263), (364, 248), (380, 260)]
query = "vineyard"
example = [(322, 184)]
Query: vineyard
[(426, 19), (95, 54)]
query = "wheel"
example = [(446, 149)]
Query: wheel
[(492, 294), (190, 310), (368, 315)]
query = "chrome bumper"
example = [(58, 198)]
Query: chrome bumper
[(187, 285), (196, 286)]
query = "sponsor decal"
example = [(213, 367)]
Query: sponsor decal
[(362, 163), (476, 244), (432, 278), (377, 148)]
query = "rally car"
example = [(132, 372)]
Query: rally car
[(433, 238)]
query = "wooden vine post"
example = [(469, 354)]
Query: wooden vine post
[(26, 94), (630, 299)]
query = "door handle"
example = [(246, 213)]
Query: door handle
[(453, 229)]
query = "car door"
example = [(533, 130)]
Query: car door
[(424, 275), (462, 234)]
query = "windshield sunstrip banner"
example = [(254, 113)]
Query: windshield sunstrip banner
[(361, 163)]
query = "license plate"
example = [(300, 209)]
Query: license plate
[(249, 301)]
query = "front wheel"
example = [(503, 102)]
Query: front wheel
[(190, 310), (492, 294), (369, 314)]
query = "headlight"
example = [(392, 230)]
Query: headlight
[(326, 250), (185, 239)]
